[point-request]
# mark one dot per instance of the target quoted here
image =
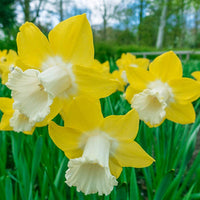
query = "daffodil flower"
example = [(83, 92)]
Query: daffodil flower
[(130, 60), (7, 64), (126, 61), (97, 147), (13, 120), (56, 67), (162, 92)]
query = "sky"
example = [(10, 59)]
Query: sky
[(48, 16)]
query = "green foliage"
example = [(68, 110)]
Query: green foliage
[(7, 13), (147, 33), (105, 50), (8, 44)]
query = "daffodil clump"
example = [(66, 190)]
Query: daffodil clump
[(59, 75)]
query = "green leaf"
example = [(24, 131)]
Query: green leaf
[(163, 186), (8, 189), (36, 158), (134, 194)]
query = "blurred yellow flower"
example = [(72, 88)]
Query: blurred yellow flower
[(97, 147), (162, 92), (102, 67), (126, 61), (8, 64), (13, 120), (130, 60), (57, 67), (3, 54)]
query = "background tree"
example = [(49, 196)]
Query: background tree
[(7, 19), (31, 14), (161, 28)]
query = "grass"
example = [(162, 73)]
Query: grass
[(33, 168)]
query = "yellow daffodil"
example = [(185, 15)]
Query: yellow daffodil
[(13, 120), (126, 61), (196, 75), (162, 92), (57, 67), (7, 65), (130, 60), (97, 147), (3, 54)]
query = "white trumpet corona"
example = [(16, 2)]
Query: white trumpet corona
[(20, 122), (58, 78), (91, 173), (151, 102), (29, 95)]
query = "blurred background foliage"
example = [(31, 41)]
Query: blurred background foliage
[(123, 26)]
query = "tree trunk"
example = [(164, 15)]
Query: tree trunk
[(141, 10), (27, 10), (141, 7), (161, 29), (61, 10), (182, 24), (196, 27), (104, 20)]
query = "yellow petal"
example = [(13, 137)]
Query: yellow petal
[(33, 46), (6, 104), (123, 127), (23, 66), (5, 122), (103, 67), (94, 83), (155, 125), (139, 78), (67, 139), (142, 62), (132, 155), (83, 114), (3, 54), (117, 76), (196, 75), (130, 92), (185, 89), (4, 78), (12, 56), (72, 39), (166, 66), (55, 108), (180, 113), (126, 60), (115, 167), (29, 132)]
